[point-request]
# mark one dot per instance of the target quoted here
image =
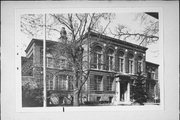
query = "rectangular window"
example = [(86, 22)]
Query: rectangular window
[(98, 83), (50, 62), (139, 66), (62, 82), (109, 83), (131, 66), (149, 75), (62, 63), (152, 75), (70, 79), (156, 74), (49, 84)]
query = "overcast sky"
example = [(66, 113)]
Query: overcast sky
[(127, 19)]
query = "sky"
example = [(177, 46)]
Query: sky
[(127, 19)]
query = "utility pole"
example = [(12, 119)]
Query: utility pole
[(44, 64)]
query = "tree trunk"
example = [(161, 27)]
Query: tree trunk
[(76, 98)]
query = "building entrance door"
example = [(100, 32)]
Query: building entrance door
[(123, 91), (122, 94)]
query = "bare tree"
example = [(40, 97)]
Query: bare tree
[(71, 42), (147, 36)]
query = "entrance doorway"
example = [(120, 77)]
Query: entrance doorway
[(123, 91)]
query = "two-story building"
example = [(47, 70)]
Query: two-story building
[(112, 62)]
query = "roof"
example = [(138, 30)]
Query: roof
[(95, 35), (116, 40), (150, 63), (38, 40)]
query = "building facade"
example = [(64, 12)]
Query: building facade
[(112, 64)]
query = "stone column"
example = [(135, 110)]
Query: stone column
[(117, 93)]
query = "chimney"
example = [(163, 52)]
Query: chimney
[(63, 33)]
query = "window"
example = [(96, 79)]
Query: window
[(156, 74), (131, 66), (110, 60), (131, 63), (62, 63), (139, 64), (98, 58), (152, 75), (121, 61), (98, 83), (50, 62), (62, 82), (121, 64), (98, 99), (51, 85), (109, 83), (70, 79), (110, 63), (149, 75), (49, 82)]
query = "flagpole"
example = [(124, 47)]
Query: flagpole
[(44, 63)]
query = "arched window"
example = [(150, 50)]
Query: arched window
[(98, 58), (110, 59), (130, 63), (139, 64), (121, 61)]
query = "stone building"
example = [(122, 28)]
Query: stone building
[(152, 82), (112, 63)]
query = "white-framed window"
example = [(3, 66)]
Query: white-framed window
[(98, 58), (98, 85), (62, 82), (109, 83), (110, 60)]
